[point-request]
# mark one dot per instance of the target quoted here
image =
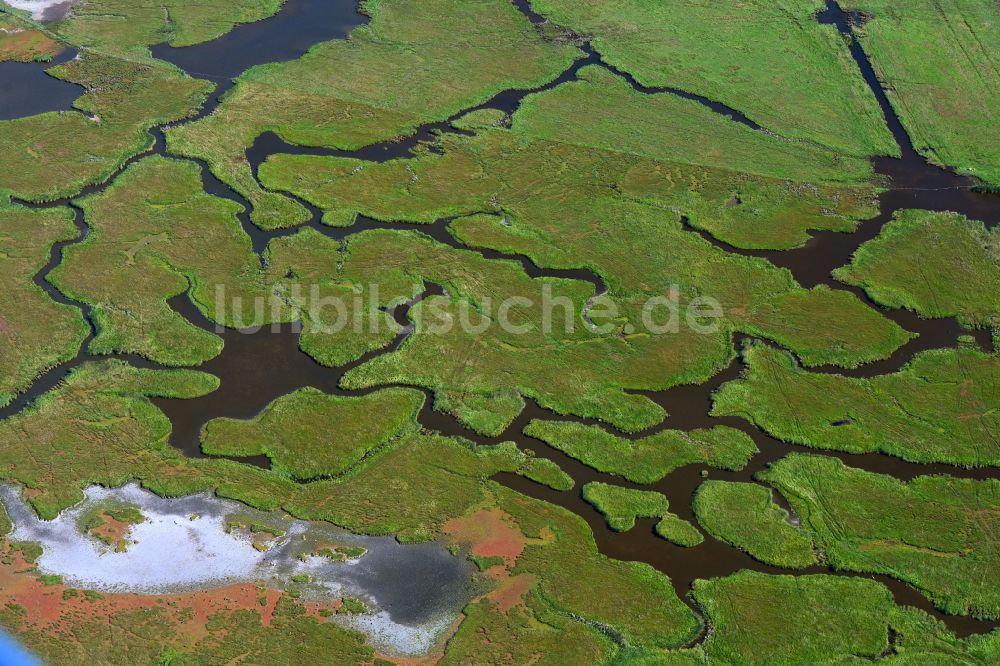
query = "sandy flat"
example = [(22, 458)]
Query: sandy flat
[(43, 10)]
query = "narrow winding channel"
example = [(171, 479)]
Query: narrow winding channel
[(256, 368)]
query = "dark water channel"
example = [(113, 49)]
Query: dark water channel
[(27, 90), (255, 368)]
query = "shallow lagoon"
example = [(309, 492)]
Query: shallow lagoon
[(416, 591), (290, 33), (27, 90)]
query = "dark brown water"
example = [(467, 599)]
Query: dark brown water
[(255, 368)]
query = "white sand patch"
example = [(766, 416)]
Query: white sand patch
[(39, 8), (395, 638), (185, 543), (200, 552)]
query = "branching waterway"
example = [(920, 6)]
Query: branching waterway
[(256, 368)]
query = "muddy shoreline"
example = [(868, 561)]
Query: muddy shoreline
[(255, 369), (416, 590)]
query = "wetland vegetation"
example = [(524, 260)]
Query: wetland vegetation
[(648, 459), (750, 56), (932, 532), (344, 93), (308, 434), (745, 515), (946, 127), (936, 264), (498, 453), (941, 407), (622, 506), (20, 41), (38, 331)]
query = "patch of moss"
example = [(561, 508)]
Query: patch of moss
[(481, 118), (5, 523), (340, 553), (484, 563), (353, 606), (29, 550), (488, 414), (110, 522), (252, 525), (547, 473)]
